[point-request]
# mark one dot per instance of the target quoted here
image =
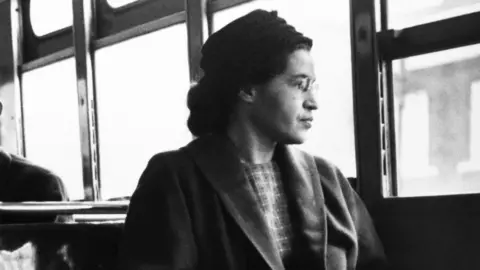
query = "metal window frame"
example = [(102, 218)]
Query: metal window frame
[(118, 207), (197, 32), (430, 37), (372, 58), (11, 57), (113, 26), (366, 96), (403, 221), (83, 34), (389, 149), (421, 39)]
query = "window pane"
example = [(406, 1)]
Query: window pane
[(437, 122), (142, 87), (332, 135), (473, 164), (403, 13), (119, 3), (378, 13), (52, 132), (49, 16)]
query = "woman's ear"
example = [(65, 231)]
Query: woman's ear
[(1, 108), (248, 94)]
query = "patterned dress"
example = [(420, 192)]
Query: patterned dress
[(265, 180)]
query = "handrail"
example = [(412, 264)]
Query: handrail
[(116, 207)]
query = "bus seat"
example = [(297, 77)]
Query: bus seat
[(64, 246), (353, 182)]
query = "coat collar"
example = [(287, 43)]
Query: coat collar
[(303, 184), (218, 160)]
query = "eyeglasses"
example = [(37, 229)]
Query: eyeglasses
[(305, 84)]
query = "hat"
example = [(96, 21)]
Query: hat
[(247, 44)]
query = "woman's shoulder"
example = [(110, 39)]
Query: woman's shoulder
[(167, 166), (324, 166), (327, 170), (171, 159), (183, 154)]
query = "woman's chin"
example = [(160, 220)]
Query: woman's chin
[(297, 138)]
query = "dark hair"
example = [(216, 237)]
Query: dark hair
[(250, 50)]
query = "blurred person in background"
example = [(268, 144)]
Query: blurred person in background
[(21, 181)]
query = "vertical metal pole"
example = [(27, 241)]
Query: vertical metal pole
[(366, 100), (83, 34), (11, 130), (391, 179), (383, 15), (197, 32), (210, 16)]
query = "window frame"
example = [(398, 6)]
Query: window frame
[(372, 55), (414, 230)]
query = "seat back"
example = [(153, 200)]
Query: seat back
[(65, 246)]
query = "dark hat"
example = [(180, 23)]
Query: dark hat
[(243, 46)]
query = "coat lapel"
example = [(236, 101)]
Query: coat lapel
[(303, 184), (217, 158)]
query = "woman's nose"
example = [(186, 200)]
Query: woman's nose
[(311, 102)]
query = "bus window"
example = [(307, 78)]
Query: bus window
[(332, 135), (52, 131), (141, 88), (473, 164), (119, 3), (403, 13), (436, 101), (50, 16)]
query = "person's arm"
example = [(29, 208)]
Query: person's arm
[(50, 187), (47, 186), (29, 182), (157, 232)]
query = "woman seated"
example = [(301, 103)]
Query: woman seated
[(240, 196)]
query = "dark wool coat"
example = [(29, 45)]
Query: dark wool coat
[(193, 209), (20, 180)]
